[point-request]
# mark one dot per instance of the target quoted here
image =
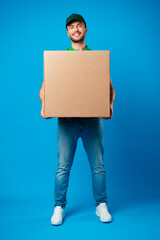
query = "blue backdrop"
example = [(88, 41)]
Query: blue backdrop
[(28, 143)]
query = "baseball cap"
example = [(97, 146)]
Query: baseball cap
[(74, 16)]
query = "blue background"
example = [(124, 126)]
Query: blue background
[(28, 143)]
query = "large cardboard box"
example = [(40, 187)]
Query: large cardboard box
[(77, 83)]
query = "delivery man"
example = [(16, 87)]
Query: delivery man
[(91, 132)]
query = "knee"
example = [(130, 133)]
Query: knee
[(63, 169), (98, 169)]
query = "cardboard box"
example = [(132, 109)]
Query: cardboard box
[(77, 83)]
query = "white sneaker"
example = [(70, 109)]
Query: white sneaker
[(58, 216), (102, 212)]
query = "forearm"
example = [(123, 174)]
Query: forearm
[(112, 93), (41, 93)]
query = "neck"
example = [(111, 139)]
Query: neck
[(79, 46)]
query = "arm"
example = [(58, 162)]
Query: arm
[(112, 93), (41, 95), (112, 97)]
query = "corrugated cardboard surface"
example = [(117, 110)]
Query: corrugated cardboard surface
[(77, 83)]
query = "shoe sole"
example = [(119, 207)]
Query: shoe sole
[(108, 221)]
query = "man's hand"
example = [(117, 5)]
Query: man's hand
[(112, 97), (111, 112), (42, 110), (41, 95)]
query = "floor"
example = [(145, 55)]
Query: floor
[(30, 219)]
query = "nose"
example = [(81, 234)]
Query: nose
[(75, 28)]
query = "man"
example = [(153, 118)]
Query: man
[(91, 132)]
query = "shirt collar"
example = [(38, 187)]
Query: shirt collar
[(71, 48)]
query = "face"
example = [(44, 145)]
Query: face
[(76, 30)]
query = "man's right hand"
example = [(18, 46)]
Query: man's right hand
[(42, 110)]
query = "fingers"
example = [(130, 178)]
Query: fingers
[(111, 110), (42, 113)]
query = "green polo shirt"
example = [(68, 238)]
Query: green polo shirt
[(72, 49)]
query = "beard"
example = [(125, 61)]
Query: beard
[(78, 40)]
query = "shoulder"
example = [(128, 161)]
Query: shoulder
[(68, 49)]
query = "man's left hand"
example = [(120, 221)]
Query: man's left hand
[(111, 112)]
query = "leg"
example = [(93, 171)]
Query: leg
[(67, 143), (92, 137)]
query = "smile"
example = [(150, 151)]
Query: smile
[(76, 34)]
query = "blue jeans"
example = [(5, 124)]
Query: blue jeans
[(91, 132)]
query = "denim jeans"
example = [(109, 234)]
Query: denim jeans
[(91, 132)]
